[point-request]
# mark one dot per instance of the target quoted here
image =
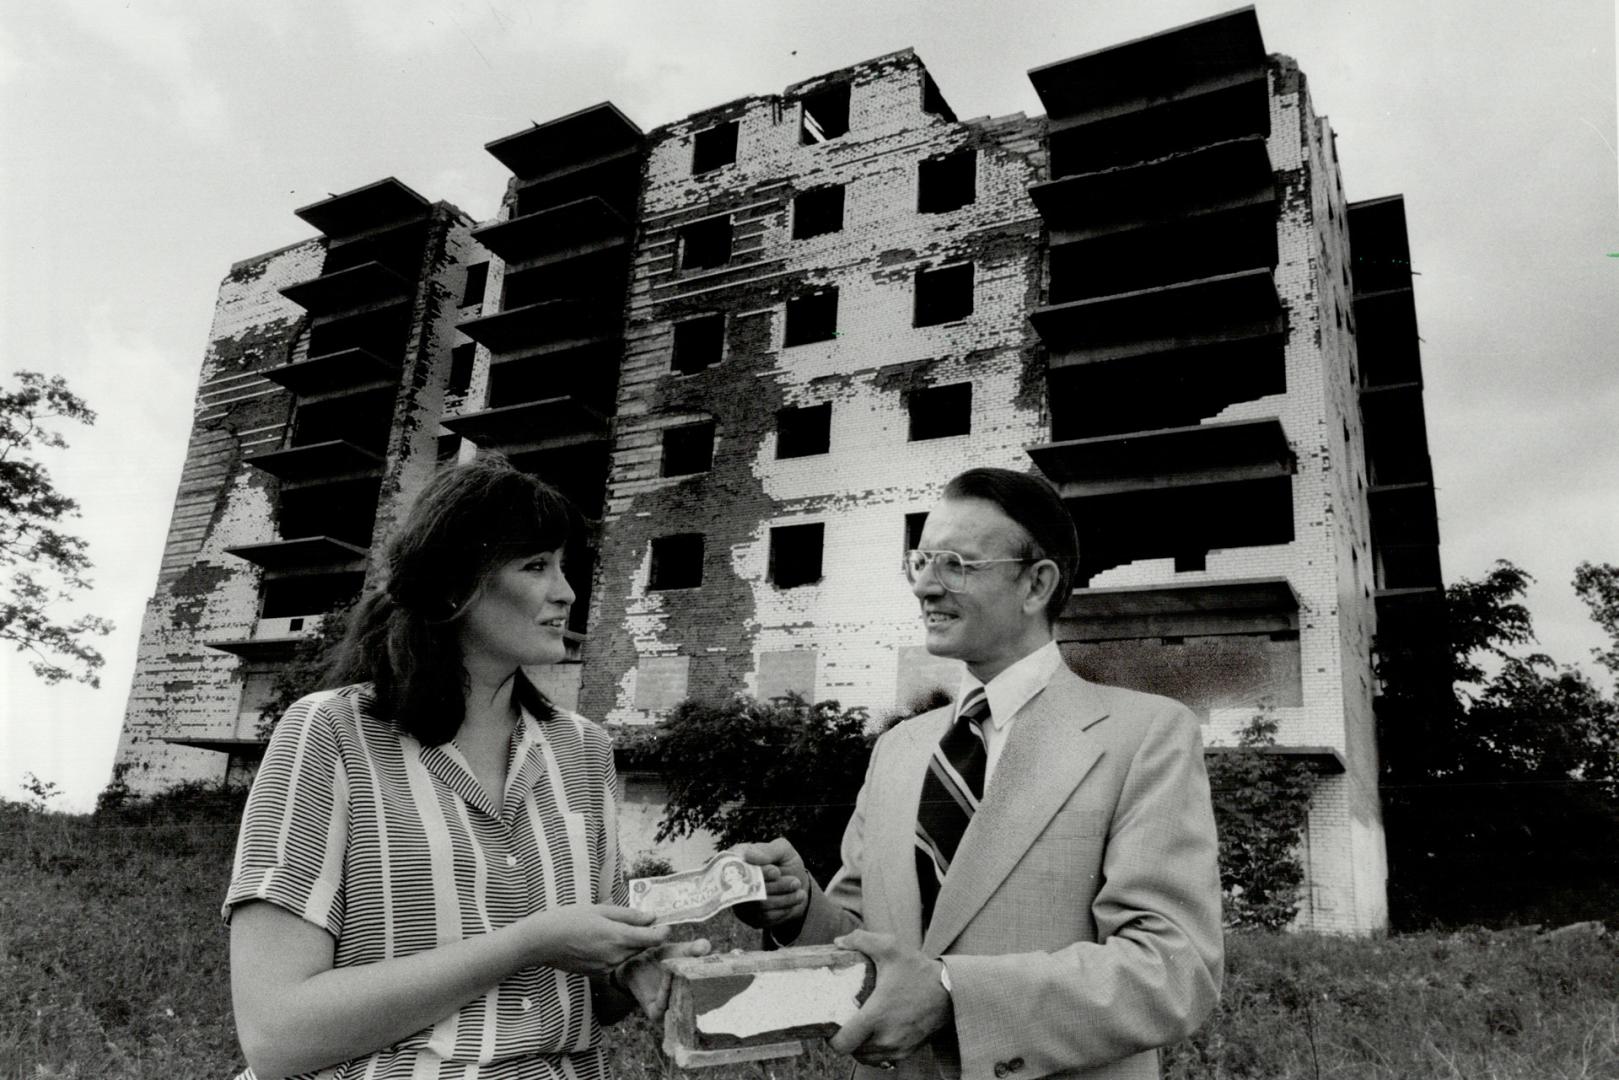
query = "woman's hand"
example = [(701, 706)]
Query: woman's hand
[(645, 977), (591, 939)]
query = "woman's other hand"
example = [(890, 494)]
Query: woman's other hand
[(646, 978), (592, 939)]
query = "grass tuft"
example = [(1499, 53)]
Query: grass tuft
[(115, 965)]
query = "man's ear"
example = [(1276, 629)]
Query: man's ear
[(1043, 578)]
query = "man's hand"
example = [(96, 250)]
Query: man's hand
[(644, 975), (786, 886), (907, 1004)]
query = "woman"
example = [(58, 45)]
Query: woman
[(428, 872)]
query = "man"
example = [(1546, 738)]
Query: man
[(1032, 868)]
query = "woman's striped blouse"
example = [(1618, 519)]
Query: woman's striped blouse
[(394, 847)]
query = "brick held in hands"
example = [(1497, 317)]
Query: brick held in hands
[(744, 999)]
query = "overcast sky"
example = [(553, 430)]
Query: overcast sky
[(145, 145)]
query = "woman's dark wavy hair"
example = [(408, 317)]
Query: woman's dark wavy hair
[(404, 637), (1034, 504)]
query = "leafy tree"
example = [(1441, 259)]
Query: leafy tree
[(42, 565), (748, 770), (1261, 803), (1501, 798), (40, 792), (1598, 587)]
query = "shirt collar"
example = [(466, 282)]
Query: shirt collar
[(1013, 688)]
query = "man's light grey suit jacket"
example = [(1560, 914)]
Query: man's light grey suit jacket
[(1081, 914)]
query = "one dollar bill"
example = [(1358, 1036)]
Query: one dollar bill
[(697, 895)]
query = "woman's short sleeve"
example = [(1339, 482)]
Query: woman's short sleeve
[(294, 831), (618, 889)]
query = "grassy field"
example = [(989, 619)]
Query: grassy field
[(113, 964)]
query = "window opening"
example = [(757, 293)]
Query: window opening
[(713, 148), (705, 244), (817, 211), (825, 115), (364, 419), (812, 317), (688, 449), (804, 431), (940, 411), (913, 529), (943, 295), (795, 554), (345, 510), (316, 594), (947, 183), (477, 278), (698, 343), (461, 358), (677, 562)]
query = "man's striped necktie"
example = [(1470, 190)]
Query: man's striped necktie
[(950, 794)]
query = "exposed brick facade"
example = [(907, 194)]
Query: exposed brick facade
[(193, 711), (848, 632), (853, 620), (182, 687)]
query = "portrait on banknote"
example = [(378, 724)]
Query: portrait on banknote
[(696, 895)]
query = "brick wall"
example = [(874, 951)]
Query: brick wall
[(852, 634), (860, 614), (1328, 562), (182, 688)]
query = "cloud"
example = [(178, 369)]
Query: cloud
[(162, 37), (11, 56), (414, 26)]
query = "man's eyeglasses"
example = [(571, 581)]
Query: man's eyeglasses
[(951, 569)]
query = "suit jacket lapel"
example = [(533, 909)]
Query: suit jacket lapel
[(1046, 755)]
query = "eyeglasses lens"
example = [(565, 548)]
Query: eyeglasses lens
[(946, 566)]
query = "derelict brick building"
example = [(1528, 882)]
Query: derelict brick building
[(758, 340)]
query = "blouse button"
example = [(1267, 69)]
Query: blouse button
[(528, 1003), (511, 860)]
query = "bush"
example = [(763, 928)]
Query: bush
[(748, 771), (926, 701), (1260, 806), (649, 865), (305, 674), (635, 747), (117, 794), (194, 802)]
